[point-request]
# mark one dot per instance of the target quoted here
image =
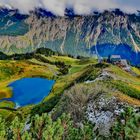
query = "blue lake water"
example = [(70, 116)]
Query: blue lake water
[(30, 90), (125, 51)]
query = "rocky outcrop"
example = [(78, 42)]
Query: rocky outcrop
[(102, 111)]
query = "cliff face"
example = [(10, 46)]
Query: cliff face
[(75, 35)]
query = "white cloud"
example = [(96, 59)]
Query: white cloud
[(23, 5), (80, 6), (55, 6), (87, 6)]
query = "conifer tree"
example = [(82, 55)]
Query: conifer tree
[(127, 126), (2, 128)]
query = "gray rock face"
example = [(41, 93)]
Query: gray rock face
[(102, 112), (70, 35)]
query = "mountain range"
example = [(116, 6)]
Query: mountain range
[(101, 34)]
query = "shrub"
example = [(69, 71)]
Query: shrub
[(127, 126), (44, 128), (74, 100)]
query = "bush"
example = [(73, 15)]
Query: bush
[(127, 126), (44, 128), (74, 100)]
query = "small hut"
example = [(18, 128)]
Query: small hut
[(115, 59)]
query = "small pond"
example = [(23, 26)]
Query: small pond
[(28, 91)]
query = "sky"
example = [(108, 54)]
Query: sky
[(80, 6)]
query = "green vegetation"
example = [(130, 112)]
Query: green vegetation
[(43, 127), (7, 70), (126, 89), (5, 93), (7, 104), (43, 51), (127, 126), (136, 70), (69, 95), (74, 100)]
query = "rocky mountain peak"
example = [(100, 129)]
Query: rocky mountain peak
[(71, 34)]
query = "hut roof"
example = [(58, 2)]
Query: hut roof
[(115, 57)]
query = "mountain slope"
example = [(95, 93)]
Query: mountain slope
[(75, 35), (88, 91)]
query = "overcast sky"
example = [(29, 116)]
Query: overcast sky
[(80, 6)]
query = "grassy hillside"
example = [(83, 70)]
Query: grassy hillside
[(77, 82), (13, 70), (79, 71)]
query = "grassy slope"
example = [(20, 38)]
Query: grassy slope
[(124, 76), (128, 82), (13, 70), (79, 70)]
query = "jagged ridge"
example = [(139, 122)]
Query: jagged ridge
[(71, 34)]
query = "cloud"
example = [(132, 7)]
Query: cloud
[(55, 6), (23, 5), (80, 6)]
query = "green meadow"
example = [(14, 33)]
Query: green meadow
[(66, 71)]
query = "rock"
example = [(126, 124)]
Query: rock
[(103, 76), (103, 111)]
